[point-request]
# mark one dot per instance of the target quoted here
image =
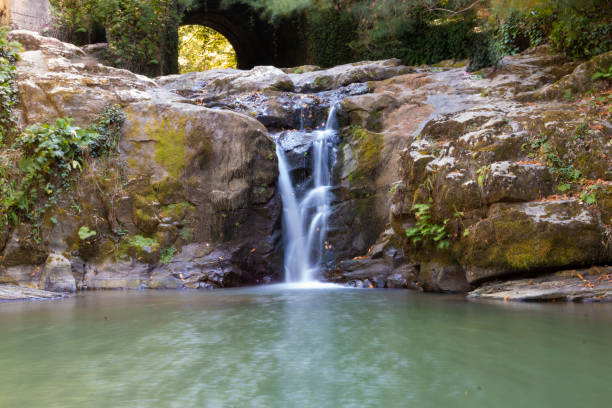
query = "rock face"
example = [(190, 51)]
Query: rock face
[(506, 179), (186, 177), (508, 187)]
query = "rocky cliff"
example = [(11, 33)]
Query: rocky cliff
[(493, 176)]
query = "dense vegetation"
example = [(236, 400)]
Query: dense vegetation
[(142, 33), (428, 31), (8, 89), (579, 29)]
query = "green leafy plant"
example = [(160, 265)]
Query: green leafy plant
[(107, 126), (589, 195), (42, 161), (542, 149), (483, 173), (8, 89), (564, 187), (46, 155), (425, 230), (167, 255), (86, 233), (603, 74)]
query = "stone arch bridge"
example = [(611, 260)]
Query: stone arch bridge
[(256, 41)]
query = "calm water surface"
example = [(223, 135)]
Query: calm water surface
[(279, 347)]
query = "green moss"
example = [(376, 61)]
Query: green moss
[(366, 149), (170, 136), (322, 82), (168, 191), (527, 254), (176, 211), (139, 247), (145, 218), (187, 234)]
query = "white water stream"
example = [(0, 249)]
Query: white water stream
[(305, 218)]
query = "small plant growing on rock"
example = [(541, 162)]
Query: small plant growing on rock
[(589, 196), (425, 230), (86, 233), (603, 74), (167, 255), (483, 173)]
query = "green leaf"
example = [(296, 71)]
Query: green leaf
[(85, 233), (591, 199), (564, 187)]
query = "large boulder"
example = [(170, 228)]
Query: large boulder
[(219, 83), (56, 79), (342, 75), (57, 275), (532, 237), (436, 277), (220, 163), (185, 175)]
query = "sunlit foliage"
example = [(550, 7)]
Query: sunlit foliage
[(202, 48), (140, 33)]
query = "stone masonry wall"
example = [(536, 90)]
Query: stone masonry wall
[(28, 14)]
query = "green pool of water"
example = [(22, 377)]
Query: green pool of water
[(279, 347)]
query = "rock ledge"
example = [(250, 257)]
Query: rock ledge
[(11, 292)]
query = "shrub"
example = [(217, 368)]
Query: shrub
[(107, 126), (8, 89), (582, 35), (141, 34), (521, 30)]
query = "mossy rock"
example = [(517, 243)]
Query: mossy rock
[(141, 248), (20, 249), (176, 213), (145, 218), (366, 147), (169, 191), (531, 237)]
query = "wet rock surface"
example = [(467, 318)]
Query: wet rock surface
[(12, 292), (584, 285)]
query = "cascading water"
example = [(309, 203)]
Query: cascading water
[(305, 215)]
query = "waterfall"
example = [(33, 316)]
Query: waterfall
[(306, 213)]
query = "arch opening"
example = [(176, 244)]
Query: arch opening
[(255, 40), (202, 48)]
